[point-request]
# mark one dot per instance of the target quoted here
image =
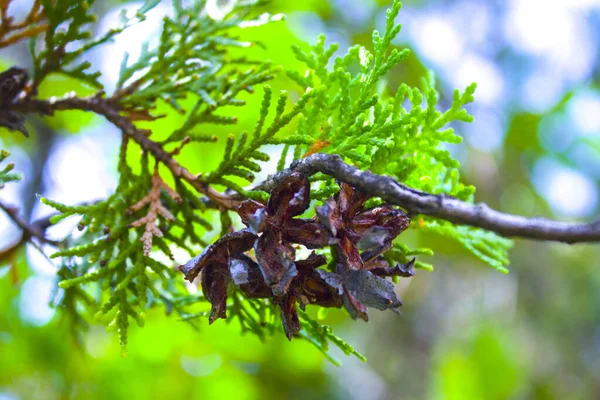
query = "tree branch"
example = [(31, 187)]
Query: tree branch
[(107, 108), (414, 201), (441, 206), (34, 230), (29, 27)]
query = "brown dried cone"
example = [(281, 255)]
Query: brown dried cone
[(356, 229), (361, 289), (12, 82), (214, 263), (371, 230), (359, 281), (307, 287), (380, 267), (274, 252)]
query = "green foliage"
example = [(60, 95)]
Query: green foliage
[(110, 253), (5, 174), (400, 134), (113, 255), (193, 61), (68, 37), (322, 335), (487, 246), (243, 161), (200, 70), (400, 253)]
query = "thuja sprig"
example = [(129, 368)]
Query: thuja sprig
[(114, 251), (321, 336), (400, 253), (350, 117), (192, 63), (355, 237), (241, 159), (203, 112), (487, 246), (344, 108), (67, 38), (6, 174), (12, 31), (71, 301), (402, 135), (130, 281)]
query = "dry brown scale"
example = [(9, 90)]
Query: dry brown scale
[(358, 237)]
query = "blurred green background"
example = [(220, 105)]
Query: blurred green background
[(465, 332)]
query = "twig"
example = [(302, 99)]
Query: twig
[(414, 201), (35, 230), (110, 111), (24, 29), (441, 206)]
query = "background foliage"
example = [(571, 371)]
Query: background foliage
[(465, 332)]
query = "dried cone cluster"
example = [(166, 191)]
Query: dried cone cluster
[(12, 82), (358, 237)]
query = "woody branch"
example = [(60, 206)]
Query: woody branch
[(414, 201)]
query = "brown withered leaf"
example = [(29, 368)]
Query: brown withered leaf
[(311, 288), (219, 253), (371, 290), (348, 254), (354, 307), (332, 279), (371, 230), (329, 216), (255, 287), (342, 222), (385, 219), (289, 316), (306, 232), (373, 238), (276, 261), (310, 263), (380, 267), (363, 288), (350, 201), (253, 215), (315, 290), (376, 216), (289, 199), (214, 286)]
